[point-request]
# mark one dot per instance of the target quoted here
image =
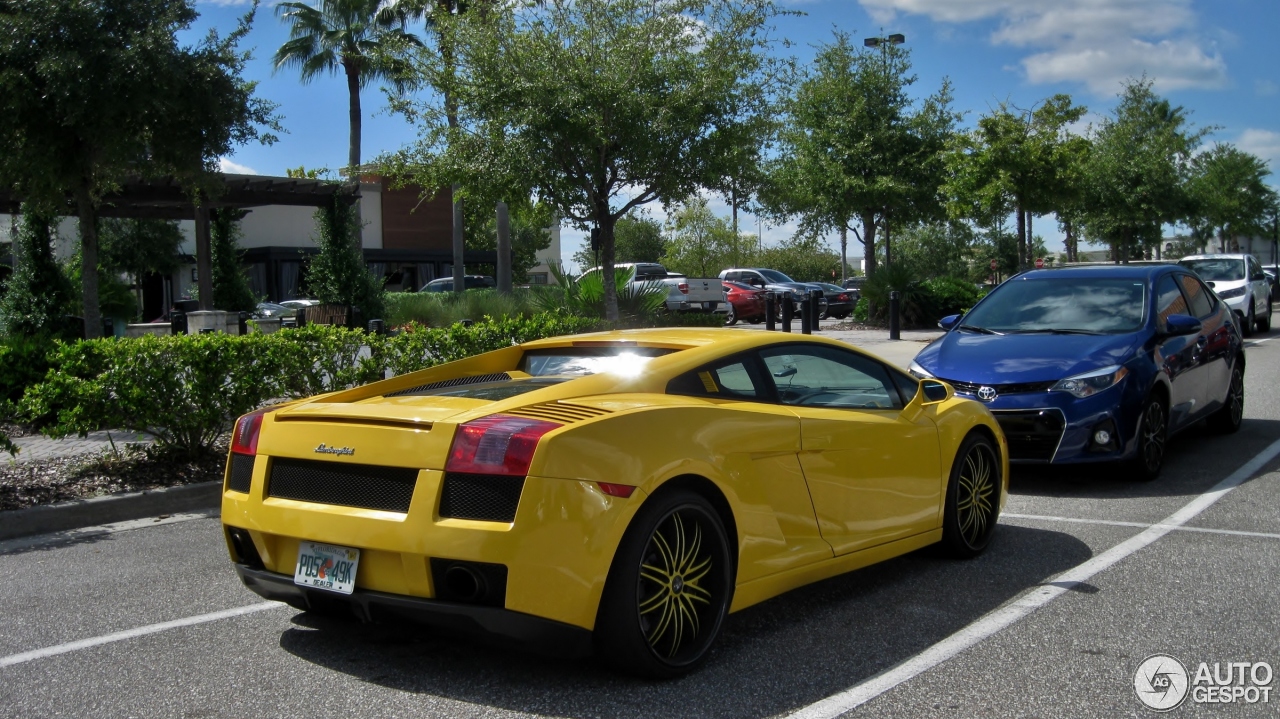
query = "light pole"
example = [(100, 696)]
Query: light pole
[(883, 43)]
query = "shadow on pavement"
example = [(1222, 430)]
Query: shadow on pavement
[(774, 657)]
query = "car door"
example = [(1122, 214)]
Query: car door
[(872, 465), (1219, 347), (1179, 356), (1259, 290)]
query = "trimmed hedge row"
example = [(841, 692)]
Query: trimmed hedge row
[(186, 389)]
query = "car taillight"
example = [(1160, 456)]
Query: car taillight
[(842, 297), (684, 287), (244, 437), (498, 444), (616, 490)]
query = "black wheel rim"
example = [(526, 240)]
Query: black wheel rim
[(1153, 436), (681, 589), (976, 494), (1236, 397), (730, 318)]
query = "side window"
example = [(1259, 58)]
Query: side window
[(815, 376), (1169, 301), (1255, 270), (1201, 301), (733, 380)]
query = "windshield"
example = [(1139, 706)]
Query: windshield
[(582, 361), (1093, 305), (1216, 270), (775, 276)]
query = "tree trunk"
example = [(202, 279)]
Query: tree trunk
[(844, 254), (204, 259), (605, 221), (1022, 238), (504, 249), (869, 243), (888, 247), (88, 216), (459, 247), (353, 145), (1031, 236)]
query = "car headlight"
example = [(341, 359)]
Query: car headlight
[(1091, 383), (1228, 294), (919, 372)]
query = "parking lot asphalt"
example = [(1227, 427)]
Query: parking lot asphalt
[(84, 628)]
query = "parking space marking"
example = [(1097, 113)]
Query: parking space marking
[(72, 535), (76, 646), (1113, 523), (1008, 615)]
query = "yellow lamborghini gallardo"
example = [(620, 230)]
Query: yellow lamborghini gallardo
[(618, 492)]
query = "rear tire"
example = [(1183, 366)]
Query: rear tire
[(731, 318), (1227, 420), (1153, 434), (668, 590), (1264, 322), (973, 498)]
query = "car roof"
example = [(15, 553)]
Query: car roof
[(1217, 256), (1099, 271)]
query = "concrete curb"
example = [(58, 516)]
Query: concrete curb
[(111, 508)]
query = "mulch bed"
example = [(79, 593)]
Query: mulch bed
[(132, 469)]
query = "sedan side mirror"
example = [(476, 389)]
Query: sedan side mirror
[(1178, 325), (949, 321)]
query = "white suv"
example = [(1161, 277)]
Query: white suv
[(1240, 282)]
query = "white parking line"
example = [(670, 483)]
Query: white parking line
[(76, 646), (1206, 530), (1023, 606), (71, 535)]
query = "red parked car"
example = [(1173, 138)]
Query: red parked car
[(745, 303)]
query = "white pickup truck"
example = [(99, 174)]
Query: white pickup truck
[(683, 293)]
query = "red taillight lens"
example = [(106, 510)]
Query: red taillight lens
[(499, 444), (244, 438), (684, 287), (843, 298)]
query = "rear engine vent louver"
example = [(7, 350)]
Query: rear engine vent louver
[(346, 485), (496, 377), (486, 497), (558, 412), (241, 475)]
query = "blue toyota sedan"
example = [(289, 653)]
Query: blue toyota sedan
[(1096, 364)]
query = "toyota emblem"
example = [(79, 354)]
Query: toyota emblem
[(986, 394)]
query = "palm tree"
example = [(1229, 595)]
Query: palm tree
[(357, 36)]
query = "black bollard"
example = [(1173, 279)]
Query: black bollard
[(770, 311), (815, 311), (178, 323), (244, 323), (806, 316), (376, 327), (895, 332), (788, 309), (108, 327)]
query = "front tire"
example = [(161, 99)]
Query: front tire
[(1264, 322), (1227, 420), (1153, 433), (1250, 321), (973, 498), (668, 590), (731, 318)]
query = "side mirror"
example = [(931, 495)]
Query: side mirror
[(949, 321), (934, 391), (1211, 284), (1178, 325)]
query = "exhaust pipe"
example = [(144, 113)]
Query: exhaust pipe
[(464, 584)]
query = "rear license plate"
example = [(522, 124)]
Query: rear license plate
[(326, 566)]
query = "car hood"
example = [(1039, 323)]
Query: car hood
[(1018, 358)]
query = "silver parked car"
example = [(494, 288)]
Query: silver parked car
[(1239, 280)]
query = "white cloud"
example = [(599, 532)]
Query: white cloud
[(1096, 42), (1265, 88), (1264, 144), (226, 3), (235, 168)]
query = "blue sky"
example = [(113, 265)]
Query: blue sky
[(1218, 58)]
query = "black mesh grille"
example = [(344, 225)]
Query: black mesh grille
[(1032, 434), (487, 497), (497, 377), (241, 475), (1019, 388), (347, 485)]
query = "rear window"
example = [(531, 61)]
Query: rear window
[(582, 361), (1224, 269)]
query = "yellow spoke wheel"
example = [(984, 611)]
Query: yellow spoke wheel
[(973, 497)]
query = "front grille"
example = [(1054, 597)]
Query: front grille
[(487, 497), (971, 388), (1033, 434), (347, 485), (496, 377), (241, 475)]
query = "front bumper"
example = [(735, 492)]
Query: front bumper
[(1054, 427), (542, 635)]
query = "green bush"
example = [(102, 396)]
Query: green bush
[(441, 309), (23, 362), (584, 296), (951, 295), (316, 359), (420, 347), (915, 301)]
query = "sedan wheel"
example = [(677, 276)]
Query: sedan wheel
[(1228, 419), (731, 318), (1153, 430), (1264, 322), (973, 498), (1249, 321), (669, 589)]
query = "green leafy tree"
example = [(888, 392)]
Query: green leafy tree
[(108, 93), (1229, 194), (138, 247), (338, 274), (857, 148), (937, 249), (637, 238), (1017, 160), (1137, 172), (802, 257), (701, 243), (231, 291), (37, 293), (603, 106), (530, 233), (351, 36)]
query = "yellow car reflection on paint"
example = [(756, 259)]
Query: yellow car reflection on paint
[(617, 492)]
